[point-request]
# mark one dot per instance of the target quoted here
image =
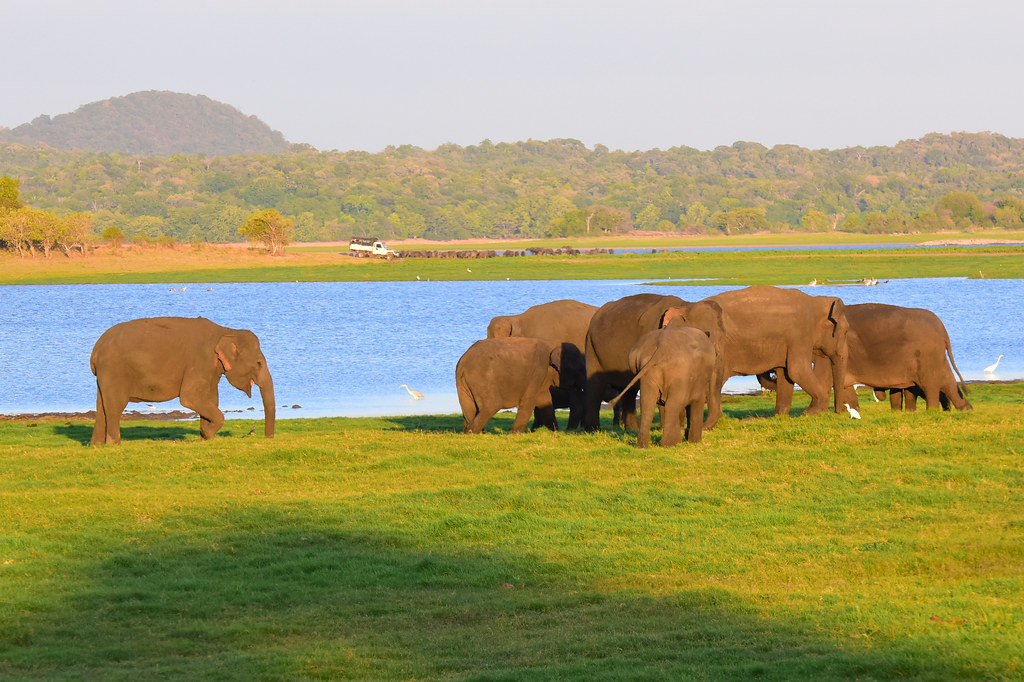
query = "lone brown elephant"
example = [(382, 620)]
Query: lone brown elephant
[(161, 358), (563, 321)]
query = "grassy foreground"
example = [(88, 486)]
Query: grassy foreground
[(399, 548), (234, 264)]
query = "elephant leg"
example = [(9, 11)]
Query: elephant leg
[(851, 398), (648, 401), (99, 429), (802, 373), (469, 408), (931, 398), (544, 416), (479, 420), (909, 399), (949, 394), (593, 397), (695, 420), (522, 416), (879, 393), (672, 423), (108, 417), (210, 416), (896, 399), (617, 414), (783, 391), (629, 420)]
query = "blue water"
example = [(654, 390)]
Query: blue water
[(343, 348)]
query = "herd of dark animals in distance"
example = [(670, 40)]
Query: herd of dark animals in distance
[(674, 354)]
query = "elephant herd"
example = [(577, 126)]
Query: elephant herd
[(674, 354), (677, 355)]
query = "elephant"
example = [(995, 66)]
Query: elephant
[(564, 321), (613, 330), (161, 358), (675, 366), (902, 350), (519, 372), (767, 328)]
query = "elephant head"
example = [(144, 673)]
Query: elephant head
[(504, 325), (831, 338), (244, 366), (570, 364)]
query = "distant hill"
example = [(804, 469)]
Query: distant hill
[(152, 123)]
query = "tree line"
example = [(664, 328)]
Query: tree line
[(549, 188)]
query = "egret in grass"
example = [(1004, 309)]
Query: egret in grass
[(854, 414), (416, 395), (992, 368)]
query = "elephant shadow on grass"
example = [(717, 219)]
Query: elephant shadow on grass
[(321, 592), (140, 431)]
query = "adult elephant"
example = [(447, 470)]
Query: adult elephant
[(161, 358), (564, 321), (676, 370), (519, 372), (771, 329), (902, 350), (613, 330)]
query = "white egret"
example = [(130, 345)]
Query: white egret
[(854, 414), (416, 395), (992, 368)]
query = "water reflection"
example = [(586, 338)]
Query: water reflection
[(345, 348)]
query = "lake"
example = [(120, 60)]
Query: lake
[(343, 348)]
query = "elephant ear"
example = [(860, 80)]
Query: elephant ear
[(555, 357), (837, 316), (499, 327), (673, 313), (514, 327), (227, 351)]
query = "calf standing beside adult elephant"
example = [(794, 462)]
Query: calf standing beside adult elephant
[(564, 321), (676, 369), (495, 374), (613, 330), (161, 358)]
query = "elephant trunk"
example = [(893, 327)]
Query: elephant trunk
[(266, 384)]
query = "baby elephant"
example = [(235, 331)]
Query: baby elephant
[(495, 374), (675, 367)]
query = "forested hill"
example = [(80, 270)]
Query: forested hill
[(152, 124), (533, 189)]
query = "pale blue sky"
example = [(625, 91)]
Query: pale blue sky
[(364, 74)]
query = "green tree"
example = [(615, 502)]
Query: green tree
[(743, 220), (113, 236), (962, 207), (815, 221), (9, 199), (648, 218), (697, 213), (269, 228)]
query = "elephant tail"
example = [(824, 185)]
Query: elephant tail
[(643, 370), (949, 351)]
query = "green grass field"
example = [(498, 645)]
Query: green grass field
[(398, 548)]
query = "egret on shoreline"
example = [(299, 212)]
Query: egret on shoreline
[(854, 414), (992, 368), (416, 395)]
